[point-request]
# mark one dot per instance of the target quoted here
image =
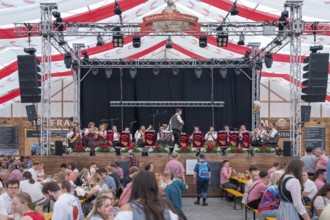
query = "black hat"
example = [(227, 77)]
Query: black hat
[(202, 156)]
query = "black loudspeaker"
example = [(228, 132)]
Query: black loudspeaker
[(58, 148), (287, 149), (31, 112), (306, 113), (29, 78)]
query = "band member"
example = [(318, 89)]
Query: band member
[(116, 143), (176, 124), (140, 140), (74, 137), (272, 133), (242, 129), (165, 138), (130, 135), (227, 130), (258, 135), (196, 130), (210, 137), (91, 133)]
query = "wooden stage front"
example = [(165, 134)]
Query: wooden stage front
[(239, 163)]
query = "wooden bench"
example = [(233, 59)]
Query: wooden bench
[(270, 218), (235, 193), (255, 211)]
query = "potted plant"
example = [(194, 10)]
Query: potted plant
[(264, 151)]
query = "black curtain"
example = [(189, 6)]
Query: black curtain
[(235, 90)]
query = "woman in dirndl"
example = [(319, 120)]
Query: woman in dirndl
[(289, 186)]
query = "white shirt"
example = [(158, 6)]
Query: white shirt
[(310, 187), (209, 137), (5, 205), (115, 136), (325, 215), (64, 207), (247, 190), (273, 132), (321, 202), (128, 215), (33, 173), (34, 190), (137, 135)]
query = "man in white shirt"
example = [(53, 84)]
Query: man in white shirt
[(210, 137), (310, 189), (65, 206), (176, 123), (6, 210), (33, 170), (272, 131)]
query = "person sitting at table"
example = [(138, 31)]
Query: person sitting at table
[(22, 204), (257, 190), (321, 200), (254, 176), (66, 188), (270, 200), (102, 209), (320, 178), (310, 189), (99, 186), (41, 172), (225, 174)]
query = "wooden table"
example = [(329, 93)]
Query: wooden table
[(239, 179), (48, 216)]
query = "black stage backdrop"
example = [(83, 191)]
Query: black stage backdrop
[(235, 90)]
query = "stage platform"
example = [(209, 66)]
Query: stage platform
[(240, 163)]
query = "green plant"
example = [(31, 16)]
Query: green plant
[(264, 149), (159, 149), (235, 150), (185, 149), (79, 148), (104, 148)]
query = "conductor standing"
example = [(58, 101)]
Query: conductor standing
[(175, 125)]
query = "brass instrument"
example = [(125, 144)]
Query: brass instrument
[(142, 133), (74, 139)]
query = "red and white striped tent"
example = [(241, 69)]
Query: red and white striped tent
[(275, 81)]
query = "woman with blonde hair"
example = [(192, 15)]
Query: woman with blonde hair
[(99, 186), (102, 209), (22, 204)]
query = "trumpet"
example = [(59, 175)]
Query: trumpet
[(143, 132)]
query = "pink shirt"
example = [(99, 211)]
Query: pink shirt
[(271, 171), (224, 175), (175, 167), (121, 172), (321, 162), (257, 190), (126, 195), (319, 183)]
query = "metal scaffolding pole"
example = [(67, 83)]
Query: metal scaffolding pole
[(46, 27)]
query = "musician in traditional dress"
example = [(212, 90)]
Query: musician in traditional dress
[(130, 135), (116, 139), (272, 133), (91, 133), (258, 135), (102, 135), (175, 125), (191, 139), (165, 138), (140, 140), (210, 137), (227, 130)]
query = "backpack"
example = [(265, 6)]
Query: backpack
[(203, 171)]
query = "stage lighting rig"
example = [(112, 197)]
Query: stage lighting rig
[(247, 54), (314, 49), (58, 20), (222, 39), (30, 50), (268, 60), (117, 37), (237, 71), (108, 73), (283, 20), (85, 54), (198, 73), (95, 71), (259, 65), (169, 43), (133, 73), (136, 41), (203, 41), (117, 10), (175, 71), (241, 39), (99, 39), (155, 71), (234, 10), (223, 73)]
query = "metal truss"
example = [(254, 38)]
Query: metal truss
[(166, 104), (166, 63), (46, 79), (280, 41), (297, 29)]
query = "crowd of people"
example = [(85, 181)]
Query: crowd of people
[(298, 189)]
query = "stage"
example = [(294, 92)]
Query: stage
[(240, 163)]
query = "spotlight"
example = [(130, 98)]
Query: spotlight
[(155, 71), (247, 54), (95, 71), (32, 51), (175, 71), (169, 43), (259, 65), (108, 73), (223, 73), (75, 65), (58, 20), (67, 60), (117, 38), (237, 71), (117, 9), (203, 41), (136, 41), (198, 73), (314, 49), (234, 10), (268, 60), (283, 20), (85, 54), (222, 39), (241, 39), (99, 39), (56, 14), (133, 72)]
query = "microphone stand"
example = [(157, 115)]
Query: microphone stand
[(111, 121), (157, 114)]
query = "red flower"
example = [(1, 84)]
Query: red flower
[(263, 147), (130, 147), (184, 147), (157, 147), (79, 147), (104, 146), (210, 148), (239, 150)]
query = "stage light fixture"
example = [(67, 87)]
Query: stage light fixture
[(237, 71), (30, 50), (95, 71), (314, 49), (108, 73), (117, 10), (133, 72), (247, 54), (241, 39), (117, 37), (175, 71), (99, 39), (155, 71), (234, 10), (203, 41), (198, 73), (85, 54), (283, 20), (268, 60), (223, 73), (136, 41), (169, 43), (222, 39), (259, 65), (68, 60)]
